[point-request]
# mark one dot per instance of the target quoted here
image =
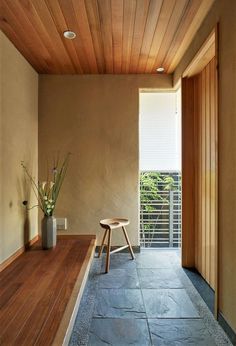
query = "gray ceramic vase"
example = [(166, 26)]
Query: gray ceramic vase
[(49, 232)]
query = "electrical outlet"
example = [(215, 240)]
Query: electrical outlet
[(61, 223)]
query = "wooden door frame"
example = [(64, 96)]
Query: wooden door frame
[(188, 174)]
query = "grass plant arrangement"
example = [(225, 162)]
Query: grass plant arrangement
[(47, 191)]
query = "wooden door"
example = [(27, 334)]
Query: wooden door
[(199, 97), (206, 195)]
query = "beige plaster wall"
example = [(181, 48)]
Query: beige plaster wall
[(224, 12), (18, 141), (96, 118)]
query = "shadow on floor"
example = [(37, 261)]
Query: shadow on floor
[(205, 291)]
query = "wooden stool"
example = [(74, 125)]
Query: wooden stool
[(109, 225)]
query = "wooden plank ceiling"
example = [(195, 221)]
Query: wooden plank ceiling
[(113, 36)]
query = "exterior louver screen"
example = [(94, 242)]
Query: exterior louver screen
[(160, 131)]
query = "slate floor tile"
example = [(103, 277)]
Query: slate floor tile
[(151, 260), (125, 303), (168, 303), (119, 261), (119, 278), (158, 278), (119, 332), (119, 314), (173, 332), (170, 252)]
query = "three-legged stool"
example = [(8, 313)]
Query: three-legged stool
[(109, 225)]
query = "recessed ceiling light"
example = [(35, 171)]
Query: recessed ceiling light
[(160, 69), (69, 34)]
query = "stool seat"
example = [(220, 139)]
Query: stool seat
[(109, 225), (114, 223)]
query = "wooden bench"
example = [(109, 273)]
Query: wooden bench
[(41, 290)]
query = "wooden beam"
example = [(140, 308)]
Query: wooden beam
[(202, 58)]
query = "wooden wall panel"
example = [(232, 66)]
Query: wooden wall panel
[(206, 203), (199, 172)]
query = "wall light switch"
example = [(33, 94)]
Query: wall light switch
[(61, 223)]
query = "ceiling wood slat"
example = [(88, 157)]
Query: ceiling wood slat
[(179, 36), (85, 33), (112, 36), (151, 23), (163, 20), (25, 12), (95, 27), (117, 32), (51, 36), (13, 36), (139, 27), (70, 18), (12, 27), (174, 22), (104, 7), (61, 25), (129, 18)]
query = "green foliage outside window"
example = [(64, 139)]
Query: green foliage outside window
[(154, 198), (151, 183)]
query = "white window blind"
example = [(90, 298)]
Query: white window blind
[(160, 131)]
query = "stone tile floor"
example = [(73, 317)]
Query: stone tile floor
[(148, 301)]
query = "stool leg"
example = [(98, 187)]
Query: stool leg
[(103, 243), (108, 251), (128, 242)]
